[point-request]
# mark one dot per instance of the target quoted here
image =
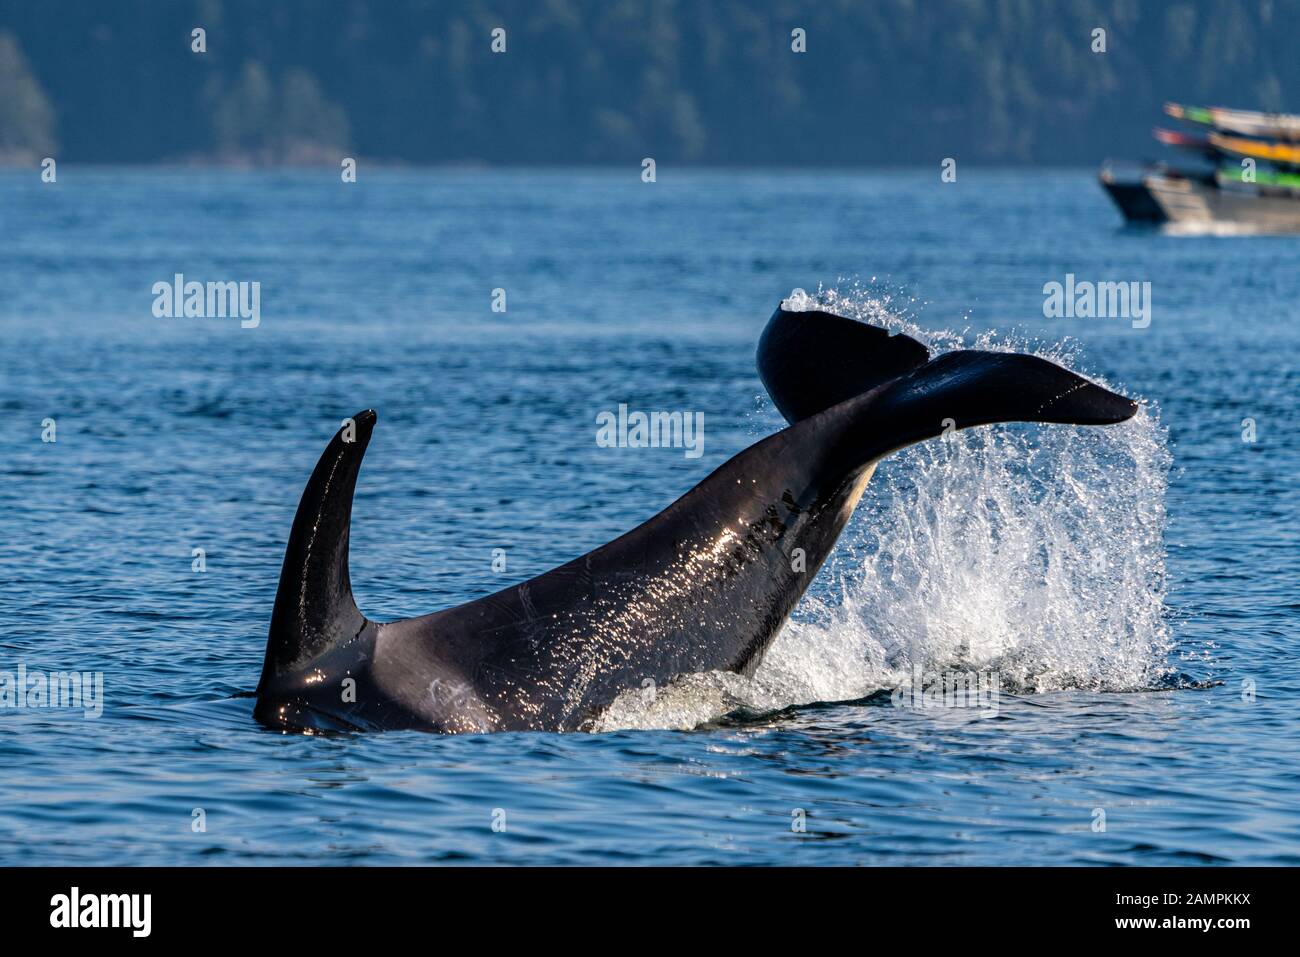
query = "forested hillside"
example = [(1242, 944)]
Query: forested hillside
[(882, 82)]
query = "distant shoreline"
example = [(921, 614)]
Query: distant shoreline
[(375, 165)]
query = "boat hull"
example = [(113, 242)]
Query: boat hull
[(1191, 203), (1135, 201)]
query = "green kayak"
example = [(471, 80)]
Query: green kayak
[(1263, 177)]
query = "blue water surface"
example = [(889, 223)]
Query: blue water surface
[(183, 434)]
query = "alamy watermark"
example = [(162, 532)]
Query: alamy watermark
[(651, 430), (130, 911), (1084, 299), (212, 300), (58, 689), (925, 690)]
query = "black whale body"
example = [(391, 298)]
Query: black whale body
[(705, 585)]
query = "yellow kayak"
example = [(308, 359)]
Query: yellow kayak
[(1278, 152)]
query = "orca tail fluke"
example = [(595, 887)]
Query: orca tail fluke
[(979, 388), (810, 361), (959, 390), (895, 394), (314, 608)]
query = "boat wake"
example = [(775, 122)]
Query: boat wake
[(1028, 555), (1225, 228)]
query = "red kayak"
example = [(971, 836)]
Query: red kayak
[(1187, 141)]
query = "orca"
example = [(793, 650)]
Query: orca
[(705, 585)]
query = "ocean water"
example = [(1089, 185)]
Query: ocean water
[(1131, 590)]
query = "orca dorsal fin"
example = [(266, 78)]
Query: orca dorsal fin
[(314, 608), (810, 361)]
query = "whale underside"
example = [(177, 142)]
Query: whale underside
[(705, 585)]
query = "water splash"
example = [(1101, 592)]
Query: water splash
[(1035, 552), (799, 301)]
